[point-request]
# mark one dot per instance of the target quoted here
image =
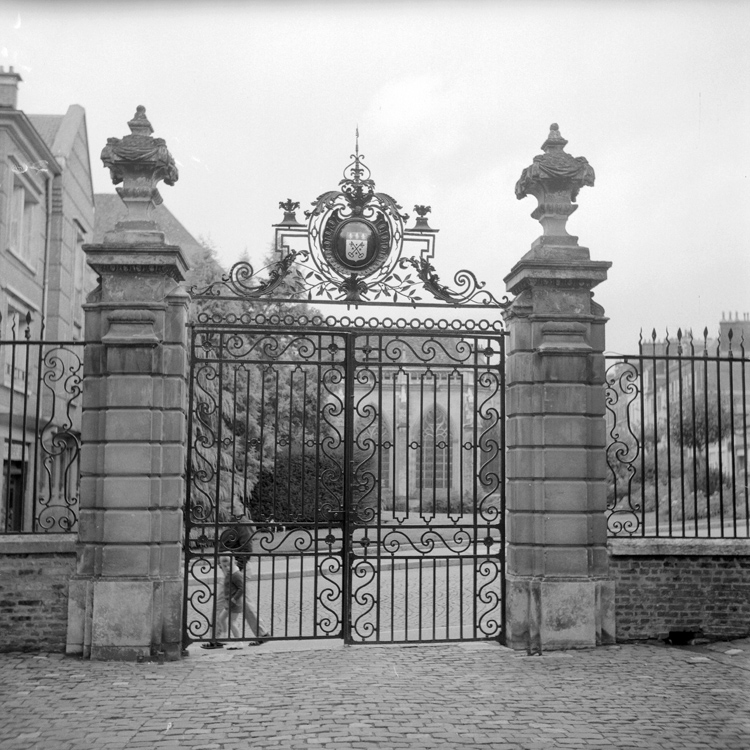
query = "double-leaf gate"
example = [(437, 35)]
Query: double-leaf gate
[(345, 475), (358, 477)]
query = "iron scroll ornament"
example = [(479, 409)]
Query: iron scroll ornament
[(355, 238), (294, 278)]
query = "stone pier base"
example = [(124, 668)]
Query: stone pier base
[(125, 620), (550, 614)]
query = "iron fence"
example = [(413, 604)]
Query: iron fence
[(40, 444), (677, 424)]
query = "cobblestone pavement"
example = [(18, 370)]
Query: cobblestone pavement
[(303, 695)]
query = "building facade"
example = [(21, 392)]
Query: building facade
[(46, 215)]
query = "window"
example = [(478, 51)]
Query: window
[(79, 266), (434, 455), (21, 240)]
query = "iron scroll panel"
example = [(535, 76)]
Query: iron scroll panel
[(265, 479), (376, 497), (426, 524)]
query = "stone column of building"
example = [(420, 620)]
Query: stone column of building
[(126, 597), (558, 591)]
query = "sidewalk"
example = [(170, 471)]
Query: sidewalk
[(325, 695)]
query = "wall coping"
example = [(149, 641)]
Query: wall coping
[(688, 547), (40, 544)]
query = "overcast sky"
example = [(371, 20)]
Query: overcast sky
[(258, 102)]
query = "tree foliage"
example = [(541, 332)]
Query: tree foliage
[(246, 413), (702, 426)]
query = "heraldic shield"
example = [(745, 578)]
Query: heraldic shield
[(355, 244)]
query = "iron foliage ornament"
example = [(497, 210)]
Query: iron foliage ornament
[(355, 239)]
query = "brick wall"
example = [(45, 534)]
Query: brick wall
[(697, 585), (34, 574)]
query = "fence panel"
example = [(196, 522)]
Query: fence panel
[(40, 431), (677, 422)]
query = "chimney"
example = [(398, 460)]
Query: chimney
[(9, 88)]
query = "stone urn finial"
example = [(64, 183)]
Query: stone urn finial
[(139, 162), (554, 179)]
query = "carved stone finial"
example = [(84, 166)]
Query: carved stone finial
[(554, 179), (139, 162)]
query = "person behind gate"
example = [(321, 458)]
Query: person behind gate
[(235, 607)]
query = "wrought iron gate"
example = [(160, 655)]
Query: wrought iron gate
[(376, 513), (345, 477)]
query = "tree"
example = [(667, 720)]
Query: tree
[(703, 426), (225, 408), (254, 415)]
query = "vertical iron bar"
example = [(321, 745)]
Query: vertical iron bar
[(407, 444), (245, 495), (434, 599), (475, 486), (501, 552), (233, 464), (642, 433), (746, 472), (731, 439), (655, 391), (380, 499), (420, 463), (10, 426), (461, 431), (188, 484), (681, 433), (217, 489), (449, 473), (668, 410), (421, 597), (407, 565), (719, 436), (37, 418), (302, 442), (290, 425), (24, 416), (694, 442), (346, 548), (316, 505), (276, 424), (434, 439), (705, 430)]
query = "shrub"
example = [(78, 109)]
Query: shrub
[(289, 492)]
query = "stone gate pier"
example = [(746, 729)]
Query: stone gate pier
[(559, 594), (126, 596)]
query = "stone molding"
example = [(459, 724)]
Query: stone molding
[(705, 546), (39, 544), (131, 327), (152, 259), (531, 273), (564, 338)]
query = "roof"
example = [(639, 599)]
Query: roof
[(47, 126), (110, 209)]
